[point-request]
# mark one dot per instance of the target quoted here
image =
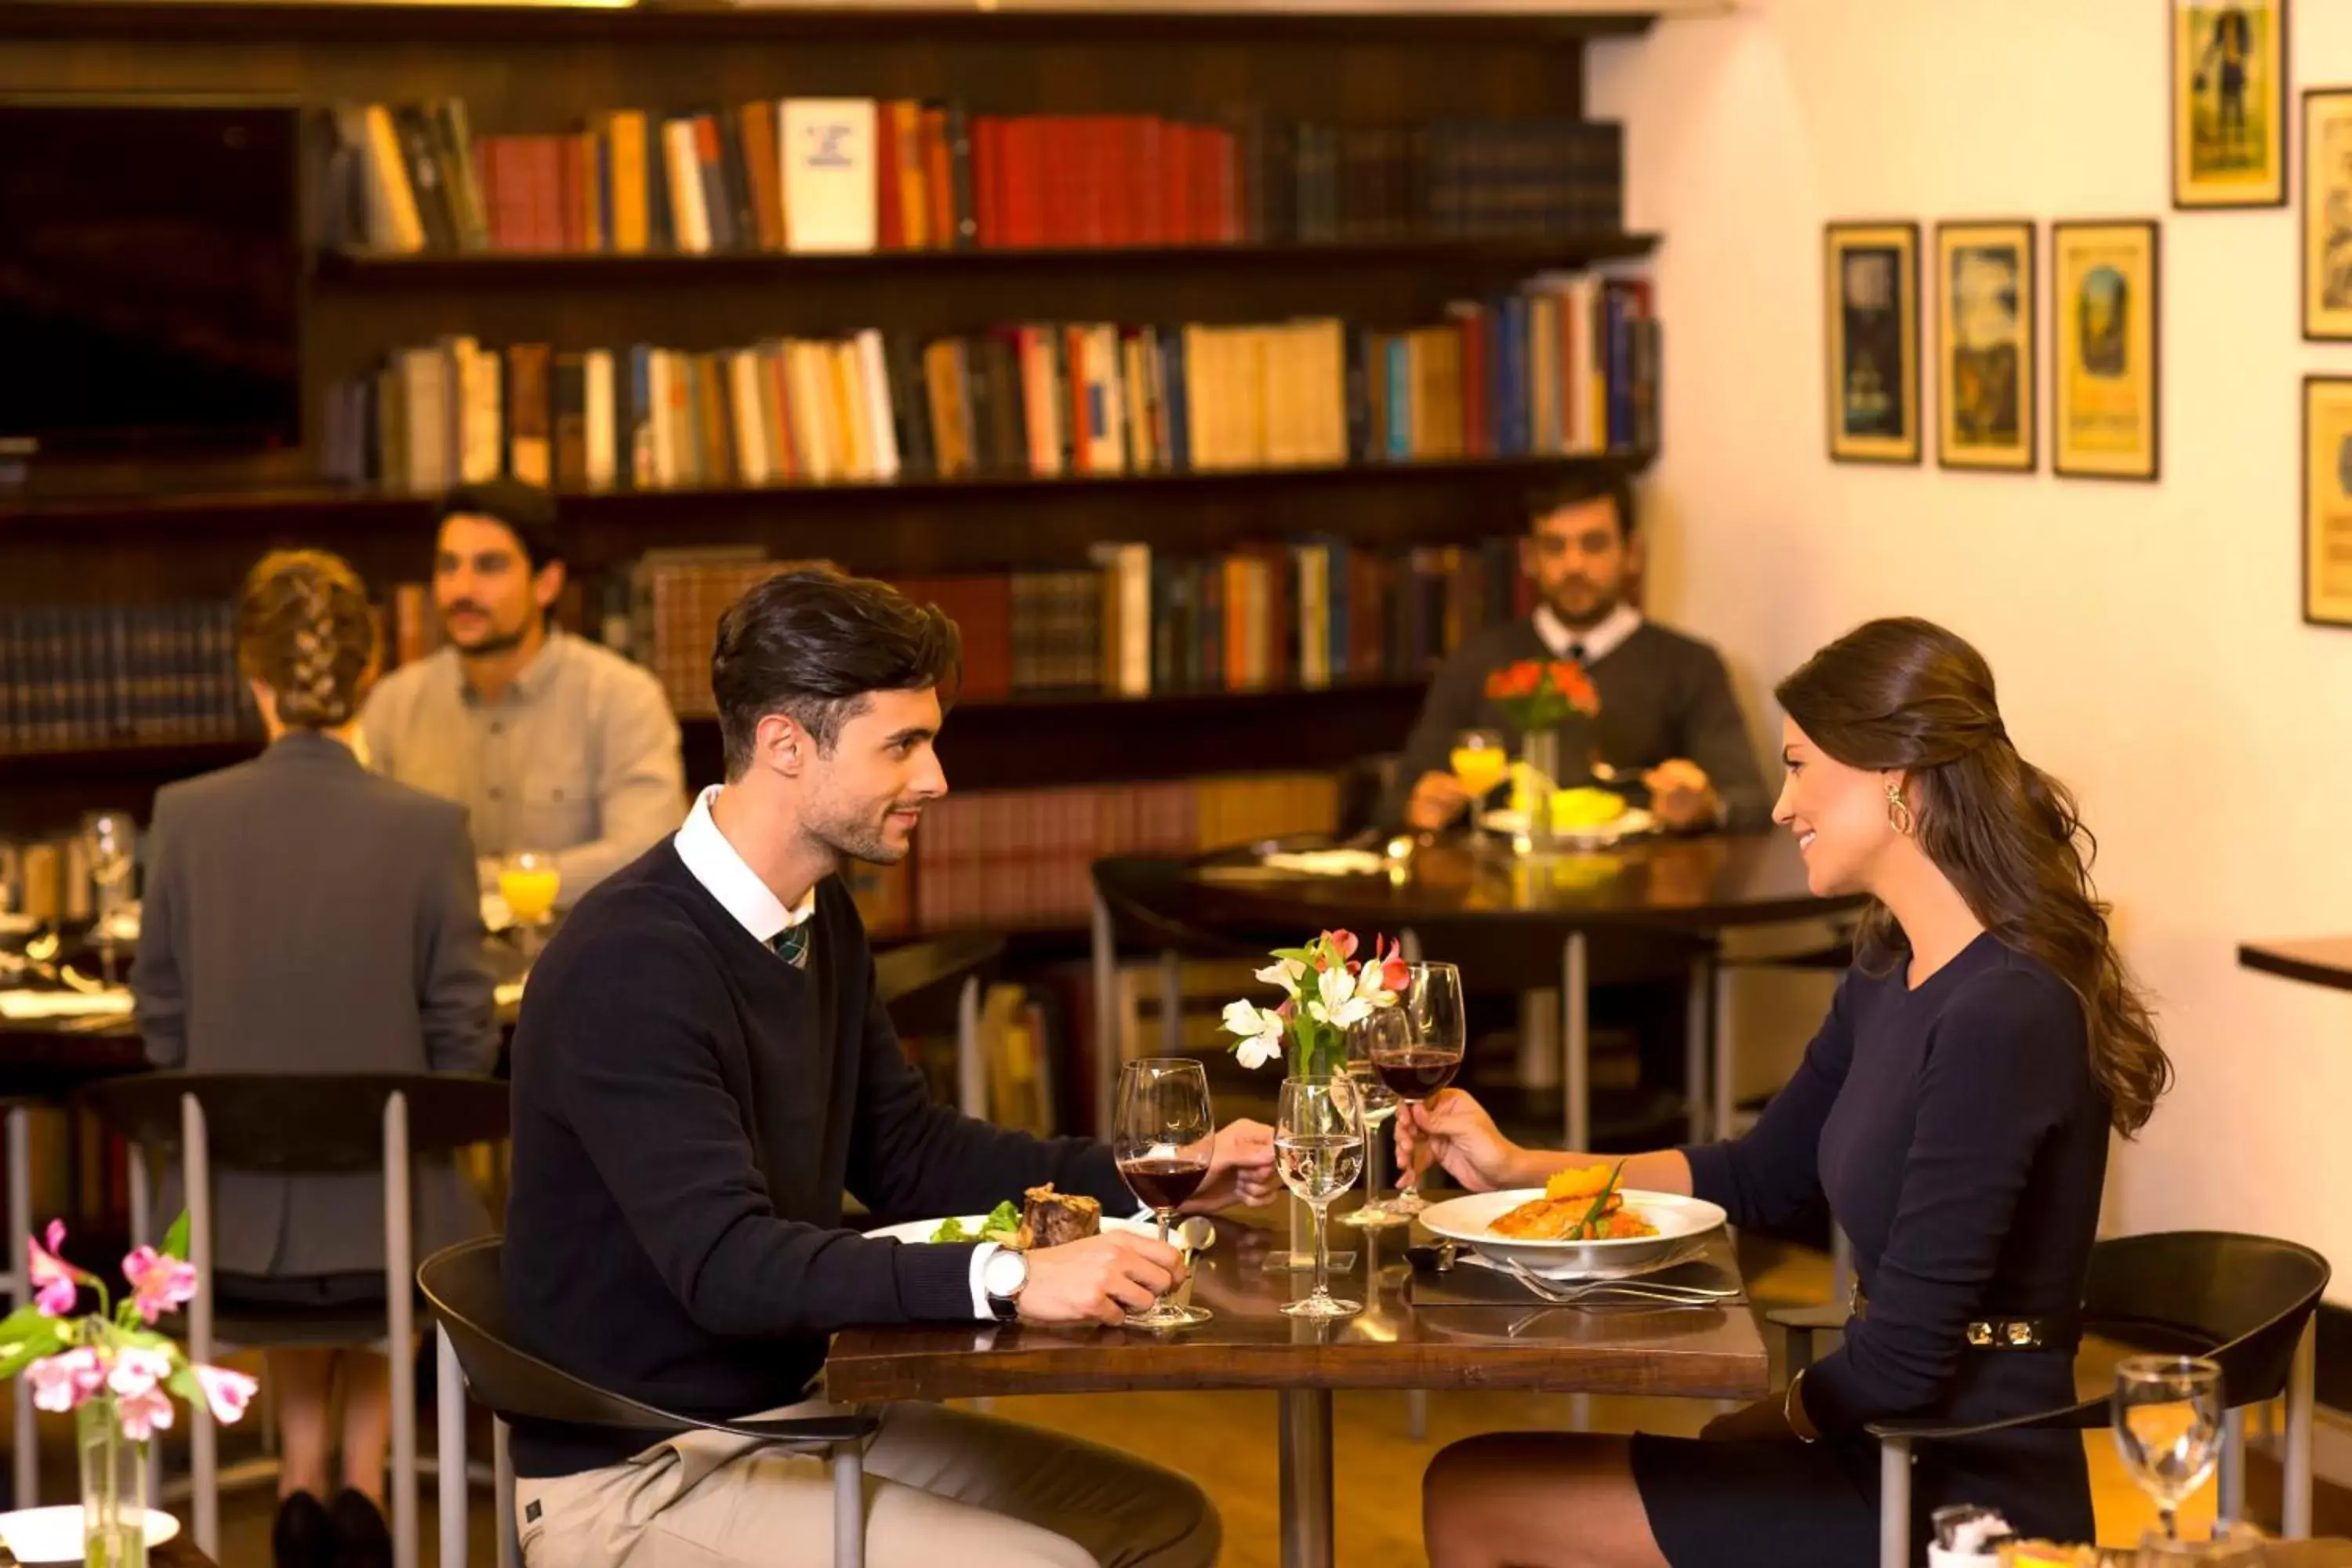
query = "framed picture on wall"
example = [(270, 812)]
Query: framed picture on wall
[(2229, 103), (2328, 500), (1986, 411), (2103, 354), (1872, 272), (2327, 213)]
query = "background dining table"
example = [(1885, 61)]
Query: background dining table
[(1711, 1352)]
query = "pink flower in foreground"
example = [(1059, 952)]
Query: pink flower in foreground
[(228, 1393), (137, 1371), (158, 1282), (1342, 942), (61, 1383), (144, 1415), (57, 1283)]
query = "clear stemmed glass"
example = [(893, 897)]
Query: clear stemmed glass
[(1318, 1149), (2167, 1422), (110, 841), (1379, 1104), (1419, 1053), (1161, 1137)]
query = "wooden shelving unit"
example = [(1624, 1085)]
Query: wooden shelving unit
[(149, 532)]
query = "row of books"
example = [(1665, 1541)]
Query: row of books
[(112, 675), (830, 175), (1564, 366), (1312, 614), (1013, 858)]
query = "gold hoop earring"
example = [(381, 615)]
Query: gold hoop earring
[(1898, 815)]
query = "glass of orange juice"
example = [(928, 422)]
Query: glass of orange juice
[(530, 882), (1480, 761)]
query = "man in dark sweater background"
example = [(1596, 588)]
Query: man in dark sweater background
[(1668, 715), (1666, 709), (702, 1067)]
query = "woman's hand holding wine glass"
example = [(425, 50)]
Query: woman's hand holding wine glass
[(1454, 1131)]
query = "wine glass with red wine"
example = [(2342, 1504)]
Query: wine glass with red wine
[(1161, 1137), (1417, 1050)]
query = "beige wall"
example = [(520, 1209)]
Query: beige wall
[(2147, 637)]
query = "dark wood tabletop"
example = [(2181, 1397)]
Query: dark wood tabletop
[(1700, 1352), (1701, 882), (2316, 960)]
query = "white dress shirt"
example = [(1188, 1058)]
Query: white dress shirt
[(1598, 640), (740, 892)]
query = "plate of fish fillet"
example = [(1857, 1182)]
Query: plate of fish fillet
[(1581, 1224)]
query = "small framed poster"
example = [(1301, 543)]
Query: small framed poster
[(2328, 500), (1986, 410), (2104, 398), (1873, 305), (2229, 103), (2327, 213)]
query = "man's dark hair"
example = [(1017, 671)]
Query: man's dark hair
[(812, 644), (1574, 490), (527, 512)]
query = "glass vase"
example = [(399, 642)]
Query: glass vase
[(1539, 749), (114, 1488)]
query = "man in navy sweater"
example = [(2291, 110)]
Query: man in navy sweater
[(703, 1067)]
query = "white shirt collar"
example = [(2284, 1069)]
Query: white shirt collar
[(1598, 641), (738, 888)]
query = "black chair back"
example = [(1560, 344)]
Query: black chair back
[(921, 983), (2242, 1300), (309, 1123), (465, 1289)]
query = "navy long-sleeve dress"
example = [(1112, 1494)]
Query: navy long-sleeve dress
[(1961, 1142)]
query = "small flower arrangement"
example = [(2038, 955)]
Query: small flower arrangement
[(1536, 694), (113, 1357), (1330, 990)]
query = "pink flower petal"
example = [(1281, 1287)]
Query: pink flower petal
[(228, 1393)]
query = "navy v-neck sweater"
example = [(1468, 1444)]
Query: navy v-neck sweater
[(689, 1108)]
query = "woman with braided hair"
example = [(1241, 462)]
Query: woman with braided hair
[(302, 914)]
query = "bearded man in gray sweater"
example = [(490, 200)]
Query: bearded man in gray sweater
[(1667, 714)]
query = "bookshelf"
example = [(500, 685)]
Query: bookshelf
[(149, 529)]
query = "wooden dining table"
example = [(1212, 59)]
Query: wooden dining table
[(1697, 1352), (1647, 908)]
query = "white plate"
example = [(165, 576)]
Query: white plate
[(920, 1230), (1679, 1220), (1634, 823), (54, 1534)]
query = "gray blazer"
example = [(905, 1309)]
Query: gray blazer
[(302, 914), (1662, 695)]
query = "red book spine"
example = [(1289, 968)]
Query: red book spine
[(1476, 433), (987, 176), (547, 193), (1145, 179)]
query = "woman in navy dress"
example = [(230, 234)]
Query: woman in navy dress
[(1954, 1111)]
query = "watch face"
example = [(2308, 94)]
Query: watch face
[(1005, 1273)]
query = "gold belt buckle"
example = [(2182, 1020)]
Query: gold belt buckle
[(2005, 1333)]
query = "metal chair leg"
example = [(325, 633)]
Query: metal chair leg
[(972, 1067), (1416, 1415), (1720, 1078), (1893, 1502), (502, 1485), (849, 1506), (2294, 1502), (203, 1437), (449, 1448), (1695, 1041), (26, 1473), (2230, 1468), (400, 1286)]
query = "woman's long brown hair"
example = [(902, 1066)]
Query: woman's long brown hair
[(1907, 696)]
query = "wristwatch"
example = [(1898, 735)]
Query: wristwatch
[(1003, 1277)]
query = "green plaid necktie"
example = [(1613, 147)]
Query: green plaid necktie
[(792, 944)]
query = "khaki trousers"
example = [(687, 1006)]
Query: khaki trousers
[(944, 1489)]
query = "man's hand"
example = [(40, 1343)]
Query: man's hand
[(1099, 1279), (1240, 1170), (1455, 1130), (1437, 799), (1681, 796)]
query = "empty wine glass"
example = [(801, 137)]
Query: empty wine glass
[(1160, 1139), (1379, 1103), (1318, 1149), (2167, 1420), (109, 844)]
